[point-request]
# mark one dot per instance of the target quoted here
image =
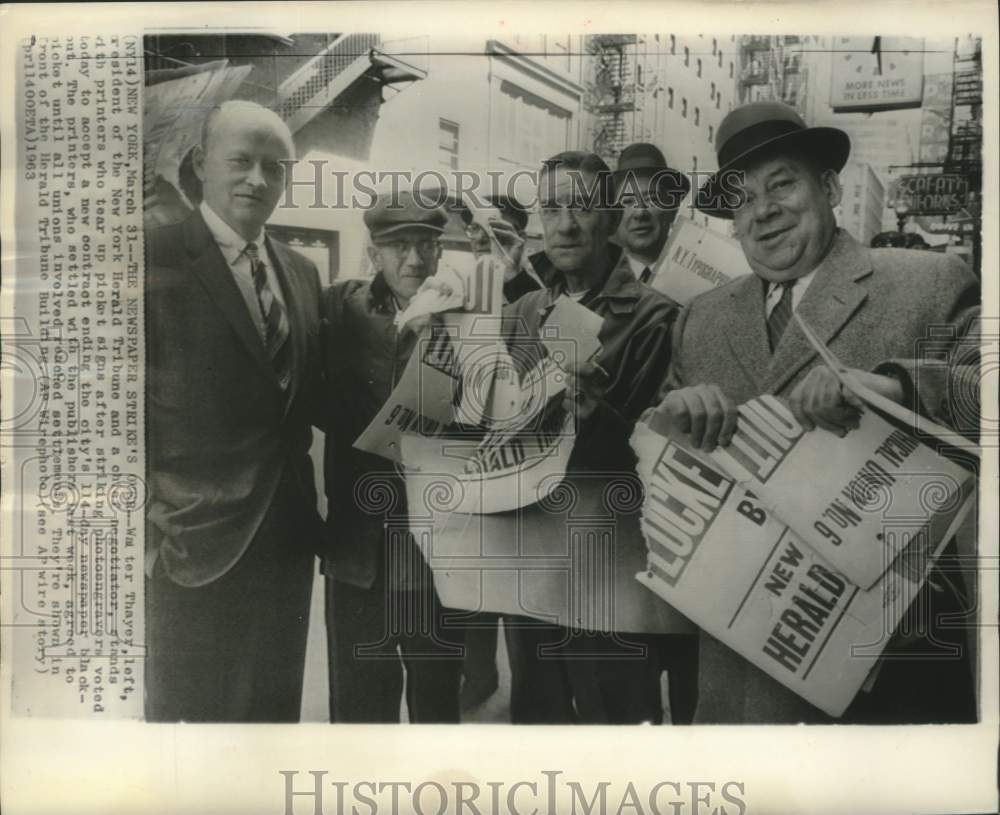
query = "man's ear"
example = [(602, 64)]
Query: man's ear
[(375, 258), (830, 180), (198, 162)]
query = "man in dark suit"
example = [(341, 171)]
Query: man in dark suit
[(232, 326), (650, 192), (778, 183)]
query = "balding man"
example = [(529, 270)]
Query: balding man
[(232, 326)]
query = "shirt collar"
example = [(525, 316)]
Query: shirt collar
[(618, 286), (800, 284), (638, 265), (229, 240)]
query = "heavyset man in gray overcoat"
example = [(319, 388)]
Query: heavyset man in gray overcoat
[(778, 184)]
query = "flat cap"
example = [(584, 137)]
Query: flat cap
[(404, 210)]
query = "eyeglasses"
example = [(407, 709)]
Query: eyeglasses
[(425, 246)]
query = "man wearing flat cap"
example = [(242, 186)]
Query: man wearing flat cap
[(778, 184), (650, 192), (382, 613)]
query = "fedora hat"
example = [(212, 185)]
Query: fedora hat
[(644, 159), (760, 128)]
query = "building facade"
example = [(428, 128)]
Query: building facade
[(668, 89), (863, 202)]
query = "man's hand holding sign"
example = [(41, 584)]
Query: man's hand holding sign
[(745, 389)]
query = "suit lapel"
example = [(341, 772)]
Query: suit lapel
[(831, 299), (284, 266), (741, 320), (210, 267)]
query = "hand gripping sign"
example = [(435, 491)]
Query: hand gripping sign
[(506, 527), (801, 551), (717, 554)]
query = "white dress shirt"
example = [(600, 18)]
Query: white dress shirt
[(798, 290), (637, 265), (232, 246)]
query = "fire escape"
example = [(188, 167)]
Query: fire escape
[(757, 57), (965, 140), (615, 94)]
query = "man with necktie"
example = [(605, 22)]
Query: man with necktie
[(232, 326), (778, 184), (650, 193)]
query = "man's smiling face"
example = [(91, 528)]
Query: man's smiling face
[(786, 223), (646, 222), (241, 167)]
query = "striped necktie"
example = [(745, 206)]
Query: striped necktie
[(781, 314), (276, 329)]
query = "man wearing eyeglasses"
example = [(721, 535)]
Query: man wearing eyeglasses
[(382, 613)]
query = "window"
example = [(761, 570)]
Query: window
[(857, 209), (697, 117), (711, 95), (670, 98), (715, 45), (673, 44), (718, 102), (684, 108), (711, 133), (699, 66), (730, 69), (720, 59), (448, 143), (694, 163), (687, 56), (321, 246)]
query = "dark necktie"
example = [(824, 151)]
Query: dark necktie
[(781, 314), (275, 319), (647, 273)]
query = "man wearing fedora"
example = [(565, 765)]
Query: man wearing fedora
[(382, 612), (778, 184), (650, 192)]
